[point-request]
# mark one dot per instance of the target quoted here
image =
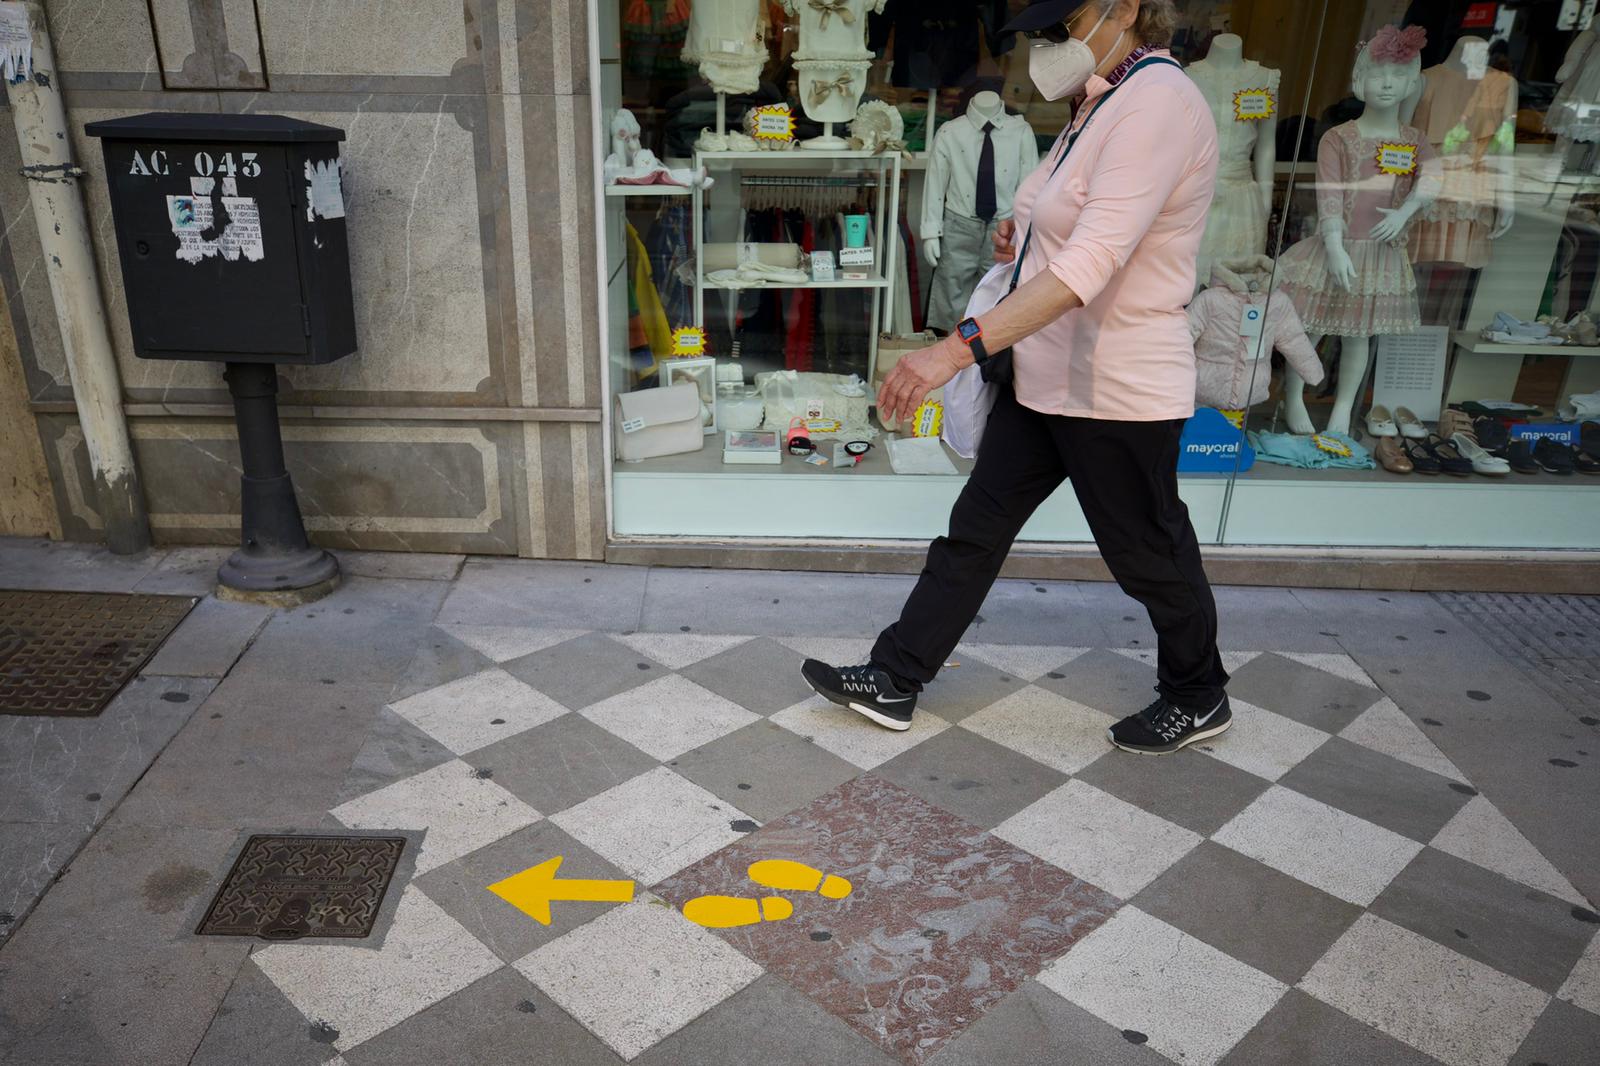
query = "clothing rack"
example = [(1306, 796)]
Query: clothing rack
[(813, 194)]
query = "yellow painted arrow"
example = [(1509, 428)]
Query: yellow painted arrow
[(533, 890)]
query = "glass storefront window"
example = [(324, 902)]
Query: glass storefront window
[(1395, 299)]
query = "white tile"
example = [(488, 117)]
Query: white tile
[(1096, 836), (1044, 726), (1026, 661), (852, 737), (1582, 988), (1456, 1009), (1137, 972), (1335, 663), (1341, 854), (460, 811), (1263, 742), (653, 825), (361, 992), (669, 716), (1385, 727), (678, 650), (835, 651), (1480, 833), (638, 974), (503, 643), (476, 711)]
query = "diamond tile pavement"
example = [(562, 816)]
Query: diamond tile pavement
[(1321, 884)]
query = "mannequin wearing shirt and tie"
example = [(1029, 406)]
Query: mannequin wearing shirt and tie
[(977, 163)]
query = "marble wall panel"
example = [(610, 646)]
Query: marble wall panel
[(366, 38), (183, 66), (563, 491), (105, 37), (553, 45)]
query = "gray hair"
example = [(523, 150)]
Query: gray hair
[(1363, 69), (1156, 23)]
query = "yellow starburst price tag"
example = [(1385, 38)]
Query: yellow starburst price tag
[(1332, 446), (774, 122), (1254, 105), (1234, 415), (928, 420), (1396, 158), (690, 340)]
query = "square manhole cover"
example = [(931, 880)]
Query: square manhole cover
[(68, 653), (289, 887)]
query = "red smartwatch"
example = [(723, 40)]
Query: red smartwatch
[(972, 334)]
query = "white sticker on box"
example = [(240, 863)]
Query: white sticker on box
[(632, 425), (324, 189)]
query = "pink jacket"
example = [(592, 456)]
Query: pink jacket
[(1234, 371)]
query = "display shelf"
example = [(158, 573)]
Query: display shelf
[(838, 283), (1469, 341), (787, 156), (621, 191)]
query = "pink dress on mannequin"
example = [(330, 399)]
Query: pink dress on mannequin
[(1350, 187)]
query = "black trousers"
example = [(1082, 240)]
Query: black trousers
[(1125, 475)]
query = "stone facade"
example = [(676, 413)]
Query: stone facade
[(469, 420)]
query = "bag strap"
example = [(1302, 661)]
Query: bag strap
[(1072, 136)]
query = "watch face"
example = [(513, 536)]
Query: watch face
[(968, 330)]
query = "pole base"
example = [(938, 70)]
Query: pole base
[(285, 599), (259, 572)]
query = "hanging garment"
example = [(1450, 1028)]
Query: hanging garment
[(653, 32), (668, 247), (1237, 224), (936, 41), (1351, 189), (1575, 111), (1235, 371), (1466, 121), (642, 293), (951, 186), (913, 270), (728, 39)]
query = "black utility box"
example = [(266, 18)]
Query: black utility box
[(232, 236)]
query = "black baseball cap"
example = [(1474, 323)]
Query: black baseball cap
[(1042, 13)]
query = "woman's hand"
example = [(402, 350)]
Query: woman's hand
[(1340, 268), (1392, 225), (1003, 235), (918, 374)]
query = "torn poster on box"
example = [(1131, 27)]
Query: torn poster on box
[(192, 216), (324, 190)]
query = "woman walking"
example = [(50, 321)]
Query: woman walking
[(1109, 227)]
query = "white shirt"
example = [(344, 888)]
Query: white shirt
[(952, 184)]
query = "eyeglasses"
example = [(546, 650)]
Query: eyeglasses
[(1059, 33)]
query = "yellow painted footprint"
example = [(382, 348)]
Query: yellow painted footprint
[(729, 912), (786, 875)]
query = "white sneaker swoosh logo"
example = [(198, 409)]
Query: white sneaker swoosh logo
[(904, 699), (1198, 722)]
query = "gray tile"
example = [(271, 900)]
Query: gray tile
[(971, 776), (74, 770), (1307, 1032), (1563, 1036), (1108, 682), (761, 676), (1252, 618), (421, 566), (1383, 790), (1196, 792), (1036, 1027), (585, 670), (772, 603), (1252, 912), (257, 1026), (767, 1022), (368, 630), (1304, 693), (962, 691), (36, 563), (1046, 612), (764, 770), (439, 660), (31, 854), (460, 888), (105, 972), (1518, 930), (259, 753), (554, 595), (210, 639), (185, 572), (502, 1018), (394, 749), (561, 763)]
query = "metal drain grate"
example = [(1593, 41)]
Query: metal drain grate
[(289, 887), (68, 653), (1554, 640)]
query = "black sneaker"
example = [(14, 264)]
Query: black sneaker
[(1162, 728), (1553, 458), (868, 690), (1519, 453)]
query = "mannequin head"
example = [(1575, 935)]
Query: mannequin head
[(986, 104), (1389, 67), (625, 136)]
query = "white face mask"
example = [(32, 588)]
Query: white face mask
[(1059, 70)]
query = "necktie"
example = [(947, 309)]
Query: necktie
[(985, 204)]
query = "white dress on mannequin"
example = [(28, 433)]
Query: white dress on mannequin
[(832, 60), (1575, 111), (728, 39), (1237, 225)]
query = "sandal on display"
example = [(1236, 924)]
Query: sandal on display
[(1410, 425), (1519, 453), (1451, 461), (1553, 458), (1452, 419), (1380, 423), (1390, 457), (1482, 462), (1421, 461)]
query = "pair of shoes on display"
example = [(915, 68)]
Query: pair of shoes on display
[(1392, 457), (1509, 329), (1483, 461), (870, 691), (1402, 423), (1435, 455), (1564, 460), (1579, 329)]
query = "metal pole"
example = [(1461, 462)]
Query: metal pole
[(41, 123)]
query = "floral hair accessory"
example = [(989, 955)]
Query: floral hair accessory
[(1394, 45)]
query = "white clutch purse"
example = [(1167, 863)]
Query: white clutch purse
[(656, 422)]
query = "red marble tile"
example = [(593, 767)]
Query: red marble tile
[(944, 922)]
